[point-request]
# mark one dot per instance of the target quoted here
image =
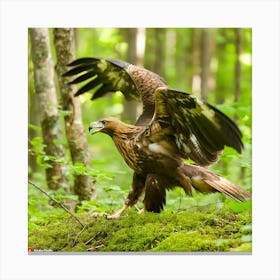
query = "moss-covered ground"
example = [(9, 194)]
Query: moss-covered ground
[(197, 231)]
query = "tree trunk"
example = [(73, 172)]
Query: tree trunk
[(130, 107), (182, 59), (195, 61), (135, 38), (238, 51), (33, 119), (221, 56), (159, 63), (65, 52), (205, 59), (237, 81), (150, 48), (46, 95)]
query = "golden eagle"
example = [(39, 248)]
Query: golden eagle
[(173, 126)]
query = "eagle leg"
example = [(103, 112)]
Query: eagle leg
[(118, 213), (138, 185), (141, 211), (155, 192)]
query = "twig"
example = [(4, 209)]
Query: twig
[(77, 236), (95, 247), (58, 203), (99, 246), (87, 242), (198, 206)]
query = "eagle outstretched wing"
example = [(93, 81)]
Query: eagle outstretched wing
[(198, 130), (110, 75), (102, 76)]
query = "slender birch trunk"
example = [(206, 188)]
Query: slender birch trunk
[(205, 60), (47, 101), (65, 51)]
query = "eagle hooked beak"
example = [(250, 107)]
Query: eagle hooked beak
[(95, 127)]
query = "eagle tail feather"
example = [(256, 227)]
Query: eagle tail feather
[(206, 181)]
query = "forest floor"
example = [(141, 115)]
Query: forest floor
[(220, 230)]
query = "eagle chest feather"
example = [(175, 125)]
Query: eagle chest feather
[(125, 148), (144, 156)]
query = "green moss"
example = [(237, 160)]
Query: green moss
[(187, 242), (245, 247), (138, 238), (149, 232)]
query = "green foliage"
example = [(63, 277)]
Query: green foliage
[(38, 149), (237, 207)]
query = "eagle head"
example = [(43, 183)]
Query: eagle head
[(106, 125)]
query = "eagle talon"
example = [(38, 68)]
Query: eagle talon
[(141, 211), (99, 214), (117, 214), (114, 216)]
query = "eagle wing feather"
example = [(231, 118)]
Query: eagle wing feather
[(111, 74), (199, 131)]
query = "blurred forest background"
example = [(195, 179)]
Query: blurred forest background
[(214, 64)]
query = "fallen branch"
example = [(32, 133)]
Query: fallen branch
[(92, 238), (77, 236), (58, 203), (199, 206)]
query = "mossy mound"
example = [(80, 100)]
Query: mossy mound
[(222, 231)]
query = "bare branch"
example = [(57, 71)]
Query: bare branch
[(58, 203)]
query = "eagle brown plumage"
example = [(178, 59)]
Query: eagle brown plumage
[(158, 165), (173, 126)]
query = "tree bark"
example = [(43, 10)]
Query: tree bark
[(195, 60), (135, 55), (150, 48), (238, 51), (205, 59), (182, 59), (65, 51), (221, 56), (237, 80), (33, 119), (46, 95), (130, 107), (159, 63)]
